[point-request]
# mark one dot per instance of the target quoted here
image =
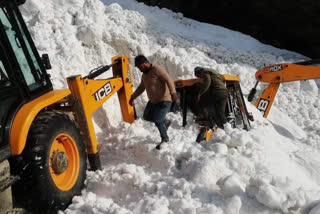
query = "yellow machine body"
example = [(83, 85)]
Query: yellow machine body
[(88, 95), (84, 97), (27, 114)]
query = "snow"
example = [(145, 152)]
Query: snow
[(273, 168)]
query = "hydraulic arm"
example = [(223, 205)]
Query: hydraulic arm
[(88, 95), (279, 73)]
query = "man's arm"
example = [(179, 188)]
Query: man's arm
[(138, 91), (206, 83), (164, 76)]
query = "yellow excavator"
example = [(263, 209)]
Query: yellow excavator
[(47, 135), (279, 73)]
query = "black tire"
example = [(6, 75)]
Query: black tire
[(37, 190)]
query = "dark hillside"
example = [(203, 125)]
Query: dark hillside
[(292, 25)]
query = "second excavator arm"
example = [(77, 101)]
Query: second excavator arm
[(279, 73)]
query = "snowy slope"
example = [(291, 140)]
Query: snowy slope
[(273, 168)]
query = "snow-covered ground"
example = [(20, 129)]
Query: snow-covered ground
[(273, 168)]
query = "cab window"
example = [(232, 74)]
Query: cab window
[(25, 56)]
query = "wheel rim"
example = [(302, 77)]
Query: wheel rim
[(64, 162)]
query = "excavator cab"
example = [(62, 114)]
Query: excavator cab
[(22, 78), (47, 135), (22, 73)]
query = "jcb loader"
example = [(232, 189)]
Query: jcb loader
[(279, 73), (236, 110), (46, 135)]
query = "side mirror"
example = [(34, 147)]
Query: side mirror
[(46, 61)]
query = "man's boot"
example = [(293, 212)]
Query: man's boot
[(163, 140)]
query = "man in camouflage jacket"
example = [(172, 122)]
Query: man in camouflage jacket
[(214, 88)]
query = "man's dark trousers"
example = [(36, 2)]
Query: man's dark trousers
[(156, 113), (215, 102), (220, 98)]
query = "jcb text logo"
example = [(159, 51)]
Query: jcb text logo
[(103, 92), (275, 68)]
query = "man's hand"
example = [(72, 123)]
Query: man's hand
[(174, 97), (131, 101)]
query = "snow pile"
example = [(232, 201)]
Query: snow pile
[(273, 168), (276, 194)]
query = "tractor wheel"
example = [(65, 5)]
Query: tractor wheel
[(53, 165)]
